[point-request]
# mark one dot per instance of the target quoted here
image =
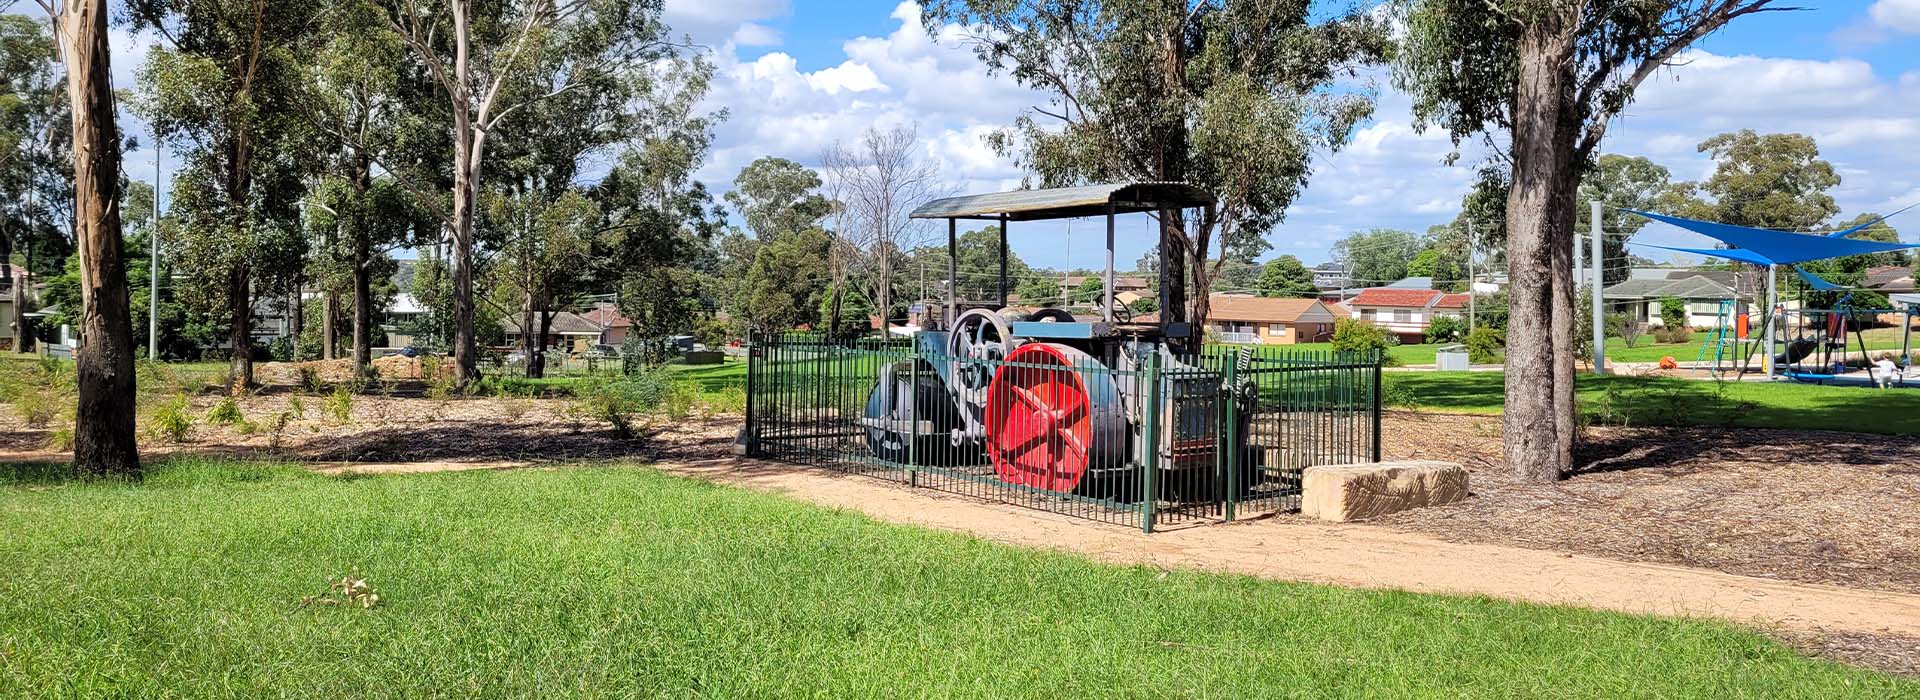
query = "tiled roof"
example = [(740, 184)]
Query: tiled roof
[(1261, 309), (565, 322), (1452, 301), (1406, 298), (1694, 287), (608, 317)]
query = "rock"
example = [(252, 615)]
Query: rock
[(1348, 492)]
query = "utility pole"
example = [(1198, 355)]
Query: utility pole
[(153, 263), (1472, 279), (1597, 263)]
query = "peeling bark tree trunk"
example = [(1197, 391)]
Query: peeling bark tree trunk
[(13, 292), (103, 440), (529, 347), (1539, 212), (240, 330), (329, 322)]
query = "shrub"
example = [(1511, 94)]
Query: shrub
[(296, 407), (1673, 312), (621, 400), (61, 439), (1395, 392), (1355, 336), (36, 406), (171, 421), (310, 380), (227, 412), (340, 405), (1485, 345), (1445, 329), (1673, 334)]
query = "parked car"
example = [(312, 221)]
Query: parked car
[(603, 352)]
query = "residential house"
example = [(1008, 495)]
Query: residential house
[(1889, 279), (1342, 295), (567, 332), (1406, 312), (1640, 295), (1330, 275), (614, 326), (1239, 318)]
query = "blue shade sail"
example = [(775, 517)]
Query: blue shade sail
[(1815, 281), (1735, 254), (1843, 233), (1775, 246)]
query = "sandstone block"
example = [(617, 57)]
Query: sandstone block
[(1347, 492)]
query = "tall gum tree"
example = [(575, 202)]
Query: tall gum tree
[(492, 60), (1541, 79), (103, 439), (1235, 96), (226, 83)]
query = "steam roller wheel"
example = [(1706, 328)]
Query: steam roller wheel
[(1053, 415)]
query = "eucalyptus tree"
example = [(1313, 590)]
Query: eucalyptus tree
[(227, 82), (103, 439), (1542, 81), (494, 60), (543, 248), (31, 108), (1619, 183), (1235, 96)]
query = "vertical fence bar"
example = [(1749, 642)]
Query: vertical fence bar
[(913, 418), (1377, 376), (1230, 394), (1150, 438), (753, 433)]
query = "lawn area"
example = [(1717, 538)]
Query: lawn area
[(623, 582), (1662, 401)]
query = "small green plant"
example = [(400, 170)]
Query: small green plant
[(1673, 312), (1485, 345), (340, 405), (621, 400), (296, 407), (61, 439), (1394, 392), (227, 412), (1355, 336), (310, 380), (1445, 329), (36, 406), (172, 420)]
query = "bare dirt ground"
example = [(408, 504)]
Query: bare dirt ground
[(1813, 536)]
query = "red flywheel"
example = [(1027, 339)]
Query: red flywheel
[(1052, 412)]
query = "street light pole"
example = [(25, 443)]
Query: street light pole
[(153, 263)]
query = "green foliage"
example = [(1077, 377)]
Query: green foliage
[(1773, 181), (1624, 327), (786, 283), (37, 406), (1352, 335), (227, 412), (1445, 329), (339, 405), (1395, 392), (622, 400), (1673, 334), (1673, 312), (776, 197), (1285, 276), (172, 420), (1485, 345), (1197, 96), (1622, 182), (1378, 256)]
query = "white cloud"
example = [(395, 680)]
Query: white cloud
[(714, 22), (1897, 15), (753, 34)]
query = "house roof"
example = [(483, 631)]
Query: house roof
[(1405, 298), (1412, 283), (1452, 301), (1889, 276), (1235, 307), (1689, 287), (1068, 202), (564, 323), (1120, 282), (608, 316)]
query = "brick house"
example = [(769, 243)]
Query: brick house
[(1236, 318)]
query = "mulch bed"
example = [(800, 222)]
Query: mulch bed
[(1811, 506)]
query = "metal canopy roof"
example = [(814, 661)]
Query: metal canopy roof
[(1067, 202)]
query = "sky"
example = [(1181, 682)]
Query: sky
[(796, 76)]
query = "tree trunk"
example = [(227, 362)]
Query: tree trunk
[(103, 439), (240, 330), (1537, 228), (11, 282), (1173, 272), (329, 322), (539, 363), (362, 258), (297, 323), (25, 340), (530, 342)]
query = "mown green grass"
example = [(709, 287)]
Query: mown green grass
[(1665, 401), (622, 582)]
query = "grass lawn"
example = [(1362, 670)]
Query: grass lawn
[(621, 582), (1660, 401)]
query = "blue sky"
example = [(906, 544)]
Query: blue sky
[(798, 75)]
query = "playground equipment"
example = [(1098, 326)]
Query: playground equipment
[(1729, 344), (1107, 417), (1829, 346)]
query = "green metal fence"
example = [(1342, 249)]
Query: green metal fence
[(1143, 439)]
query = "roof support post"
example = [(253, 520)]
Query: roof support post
[(1003, 261), (953, 272), (1106, 312)]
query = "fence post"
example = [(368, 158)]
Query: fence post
[(1377, 376), (752, 426), (1232, 434), (913, 421), (1150, 437)]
